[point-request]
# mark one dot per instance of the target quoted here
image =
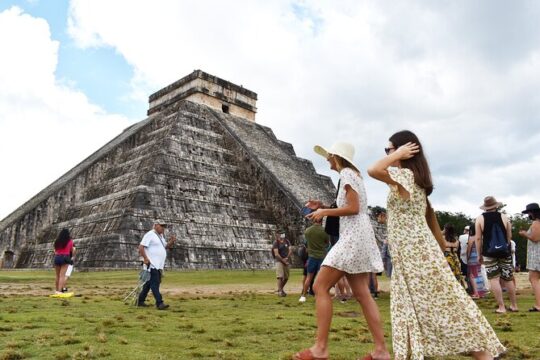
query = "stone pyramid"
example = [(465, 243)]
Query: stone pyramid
[(199, 161)]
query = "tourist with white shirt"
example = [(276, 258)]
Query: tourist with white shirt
[(153, 249)]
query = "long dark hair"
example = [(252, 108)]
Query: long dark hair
[(418, 163), (472, 230), (449, 233), (62, 239)]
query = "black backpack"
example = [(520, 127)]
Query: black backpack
[(498, 245), (331, 226)]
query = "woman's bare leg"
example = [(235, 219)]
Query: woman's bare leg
[(360, 287), (324, 281), (57, 277), (534, 278), (62, 278)]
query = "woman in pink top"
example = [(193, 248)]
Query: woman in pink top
[(63, 257)]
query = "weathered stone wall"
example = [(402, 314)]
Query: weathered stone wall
[(226, 185)]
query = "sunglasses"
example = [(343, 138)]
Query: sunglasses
[(387, 150)]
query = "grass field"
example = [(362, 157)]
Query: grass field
[(213, 315)]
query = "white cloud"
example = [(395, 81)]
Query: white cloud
[(355, 71), (45, 127)]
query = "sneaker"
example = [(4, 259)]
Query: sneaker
[(302, 299), (142, 305), (65, 290), (282, 294), (162, 306)]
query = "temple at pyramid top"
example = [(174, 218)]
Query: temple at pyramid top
[(205, 89)]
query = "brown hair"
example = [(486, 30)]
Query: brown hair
[(418, 163), (449, 233), (344, 163)]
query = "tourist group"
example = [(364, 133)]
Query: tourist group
[(426, 264)]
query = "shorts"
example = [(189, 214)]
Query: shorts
[(313, 265), (282, 271), (60, 260), (499, 267)]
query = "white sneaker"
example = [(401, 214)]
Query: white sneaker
[(302, 299)]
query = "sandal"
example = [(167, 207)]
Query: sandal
[(499, 312), (534, 309), (513, 310), (306, 354)]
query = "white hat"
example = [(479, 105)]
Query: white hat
[(341, 149)]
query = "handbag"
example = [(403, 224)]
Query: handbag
[(331, 226)]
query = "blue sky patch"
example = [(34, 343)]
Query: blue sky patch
[(101, 74)]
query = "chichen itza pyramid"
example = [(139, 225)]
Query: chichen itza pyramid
[(199, 161)]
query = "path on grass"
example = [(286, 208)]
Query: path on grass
[(39, 288)]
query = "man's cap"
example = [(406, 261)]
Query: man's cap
[(467, 227), (282, 235), (160, 222)]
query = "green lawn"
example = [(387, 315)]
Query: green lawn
[(213, 315)]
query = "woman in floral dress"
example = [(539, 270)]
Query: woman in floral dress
[(355, 255), (451, 252), (425, 295)]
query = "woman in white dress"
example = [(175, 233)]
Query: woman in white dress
[(355, 255)]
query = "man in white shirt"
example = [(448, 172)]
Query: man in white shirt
[(153, 249)]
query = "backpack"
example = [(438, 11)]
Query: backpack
[(302, 253), (498, 245)]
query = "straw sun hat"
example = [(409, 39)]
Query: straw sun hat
[(341, 149)]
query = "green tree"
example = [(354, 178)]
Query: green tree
[(520, 222), (459, 220)]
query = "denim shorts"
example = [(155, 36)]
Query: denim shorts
[(313, 265), (60, 260)]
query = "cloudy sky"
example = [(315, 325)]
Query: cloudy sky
[(464, 75)]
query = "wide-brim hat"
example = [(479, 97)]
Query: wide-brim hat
[(490, 203), (341, 149), (532, 207)]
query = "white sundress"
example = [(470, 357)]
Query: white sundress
[(533, 254), (356, 250)]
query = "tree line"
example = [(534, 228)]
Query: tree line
[(460, 220)]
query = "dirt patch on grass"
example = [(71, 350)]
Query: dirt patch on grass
[(39, 289)]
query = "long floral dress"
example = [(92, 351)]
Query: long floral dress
[(431, 313)]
